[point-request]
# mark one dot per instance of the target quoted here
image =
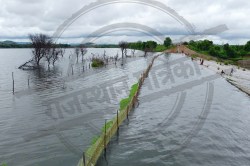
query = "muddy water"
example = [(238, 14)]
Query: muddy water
[(193, 118), (53, 121)]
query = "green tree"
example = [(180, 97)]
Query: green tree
[(167, 42), (247, 46), (204, 45)]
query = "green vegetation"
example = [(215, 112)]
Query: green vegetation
[(125, 102), (167, 42), (133, 90), (94, 139), (228, 54), (108, 125), (226, 51), (144, 46), (160, 48), (151, 46), (11, 44), (4, 164), (96, 62)]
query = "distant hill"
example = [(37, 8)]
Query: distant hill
[(12, 44)]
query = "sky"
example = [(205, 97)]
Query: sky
[(111, 21)]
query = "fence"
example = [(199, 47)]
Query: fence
[(91, 156)]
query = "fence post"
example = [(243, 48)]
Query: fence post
[(105, 150), (83, 159), (72, 70), (13, 82), (127, 112), (117, 122), (28, 81), (117, 117)]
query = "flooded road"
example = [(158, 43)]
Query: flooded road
[(193, 119)]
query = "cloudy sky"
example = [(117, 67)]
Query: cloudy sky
[(108, 21)]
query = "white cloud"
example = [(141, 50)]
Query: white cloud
[(19, 18)]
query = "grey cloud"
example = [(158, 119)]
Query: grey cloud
[(18, 18)]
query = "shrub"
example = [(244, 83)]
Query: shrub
[(96, 62)]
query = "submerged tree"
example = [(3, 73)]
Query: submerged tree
[(148, 46), (83, 51), (123, 45), (41, 44), (77, 51)]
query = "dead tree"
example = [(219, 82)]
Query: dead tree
[(77, 52), (123, 45), (41, 44), (61, 51), (48, 58), (133, 52), (55, 52), (83, 51)]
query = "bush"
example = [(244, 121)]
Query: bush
[(96, 62)]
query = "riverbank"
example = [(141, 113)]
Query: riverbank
[(240, 77)]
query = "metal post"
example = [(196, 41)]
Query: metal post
[(13, 82), (83, 159)]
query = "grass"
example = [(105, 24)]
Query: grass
[(125, 102), (160, 48)]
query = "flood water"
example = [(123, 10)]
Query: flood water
[(184, 121), (193, 118), (52, 121)]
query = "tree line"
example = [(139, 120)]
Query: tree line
[(224, 51), (146, 46)]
